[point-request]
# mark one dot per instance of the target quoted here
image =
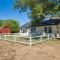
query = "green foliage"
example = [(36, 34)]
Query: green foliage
[(38, 20), (23, 5), (1, 22), (34, 6), (37, 11), (13, 24), (38, 8), (48, 7)]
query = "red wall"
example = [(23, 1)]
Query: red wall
[(5, 30)]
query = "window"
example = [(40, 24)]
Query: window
[(33, 29), (48, 30), (23, 30)]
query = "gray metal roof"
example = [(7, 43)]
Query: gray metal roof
[(26, 25), (49, 22), (44, 23)]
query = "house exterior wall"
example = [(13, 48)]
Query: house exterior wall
[(39, 31), (54, 29), (26, 33), (59, 29)]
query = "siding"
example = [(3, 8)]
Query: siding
[(40, 30), (54, 29), (25, 34)]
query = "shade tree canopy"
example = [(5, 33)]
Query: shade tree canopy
[(38, 8)]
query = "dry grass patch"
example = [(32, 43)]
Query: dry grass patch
[(49, 50)]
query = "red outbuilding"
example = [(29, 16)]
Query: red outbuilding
[(4, 30)]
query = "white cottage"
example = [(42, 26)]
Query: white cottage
[(50, 26)]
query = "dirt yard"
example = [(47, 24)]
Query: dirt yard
[(43, 51)]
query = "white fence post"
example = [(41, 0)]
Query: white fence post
[(41, 38), (15, 38), (54, 37), (30, 41), (48, 36), (0, 36), (5, 38)]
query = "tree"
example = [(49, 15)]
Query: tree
[(13, 24), (1, 22), (31, 5), (38, 8)]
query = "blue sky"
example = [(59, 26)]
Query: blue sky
[(7, 12)]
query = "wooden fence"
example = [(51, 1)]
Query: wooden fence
[(30, 40)]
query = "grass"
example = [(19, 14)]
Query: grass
[(52, 42)]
